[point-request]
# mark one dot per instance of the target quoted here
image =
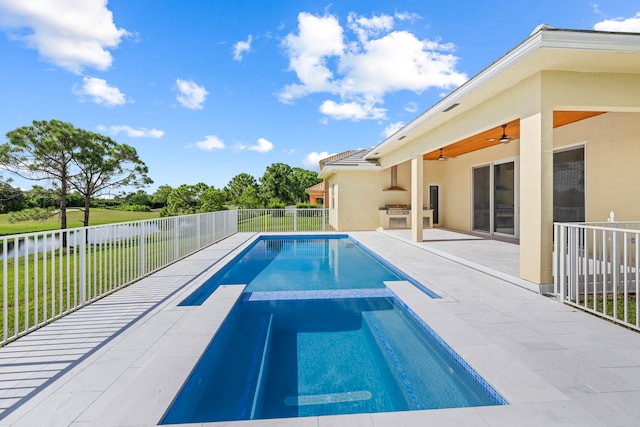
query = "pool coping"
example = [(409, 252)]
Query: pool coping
[(153, 352)]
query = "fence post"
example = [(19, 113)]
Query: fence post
[(83, 265), (563, 262), (176, 238), (295, 219), (198, 239), (142, 255), (5, 289), (324, 219), (615, 270)]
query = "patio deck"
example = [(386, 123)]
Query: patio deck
[(121, 360)]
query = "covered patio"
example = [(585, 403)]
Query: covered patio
[(547, 133)]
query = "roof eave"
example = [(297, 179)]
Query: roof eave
[(550, 38)]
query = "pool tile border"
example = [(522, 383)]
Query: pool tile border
[(318, 294)]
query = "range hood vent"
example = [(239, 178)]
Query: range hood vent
[(394, 180)]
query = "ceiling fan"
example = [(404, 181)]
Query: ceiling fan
[(442, 157), (504, 138)]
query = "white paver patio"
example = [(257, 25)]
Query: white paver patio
[(556, 366)]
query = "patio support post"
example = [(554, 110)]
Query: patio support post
[(536, 195), (417, 197)]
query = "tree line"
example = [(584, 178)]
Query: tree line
[(81, 167)]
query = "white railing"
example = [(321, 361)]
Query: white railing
[(287, 219), (49, 274), (597, 268)]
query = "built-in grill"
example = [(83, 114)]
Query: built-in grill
[(398, 211), (395, 216)]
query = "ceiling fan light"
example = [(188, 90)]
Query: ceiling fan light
[(504, 138)]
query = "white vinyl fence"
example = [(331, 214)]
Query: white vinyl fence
[(597, 268), (49, 274)]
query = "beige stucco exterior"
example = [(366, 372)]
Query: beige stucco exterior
[(593, 73)]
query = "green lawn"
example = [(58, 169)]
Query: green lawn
[(631, 306), (74, 219)]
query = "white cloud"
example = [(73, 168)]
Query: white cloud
[(361, 71), (72, 34), (407, 16), (352, 110), (210, 142), (242, 47), (365, 28), (400, 61), (392, 128), (318, 39), (262, 146), (411, 107), (239, 146), (190, 94), (100, 92), (132, 132), (311, 160), (628, 25)]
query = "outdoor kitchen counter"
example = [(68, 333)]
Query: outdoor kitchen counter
[(394, 218)]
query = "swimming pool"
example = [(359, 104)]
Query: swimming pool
[(308, 357), (317, 332), (303, 263)]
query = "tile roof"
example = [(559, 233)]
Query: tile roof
[(318, 188)]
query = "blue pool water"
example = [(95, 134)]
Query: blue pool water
[(287, 263), (301, 357)]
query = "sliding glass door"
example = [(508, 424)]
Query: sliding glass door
[(504, 190), (482, 199), (494, 198)]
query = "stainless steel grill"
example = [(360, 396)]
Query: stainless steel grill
[(398, 212)]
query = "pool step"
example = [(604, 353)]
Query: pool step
[(393, 355), (257, 395), (431, 376), (254, 383)]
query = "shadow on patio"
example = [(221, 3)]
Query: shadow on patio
[(494, 256)]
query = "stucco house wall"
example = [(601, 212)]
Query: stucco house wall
[(361, 194), (611, 140), (612, 154)]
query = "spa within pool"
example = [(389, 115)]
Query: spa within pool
[(304, 263), (299, 357)]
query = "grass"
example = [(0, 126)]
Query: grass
[(75, 218), (599, 306)]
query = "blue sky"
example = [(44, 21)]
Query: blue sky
[(205, 90)]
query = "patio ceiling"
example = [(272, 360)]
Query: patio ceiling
[(492, 136)]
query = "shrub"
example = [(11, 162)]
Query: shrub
[(307, 206), (135, 208)]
